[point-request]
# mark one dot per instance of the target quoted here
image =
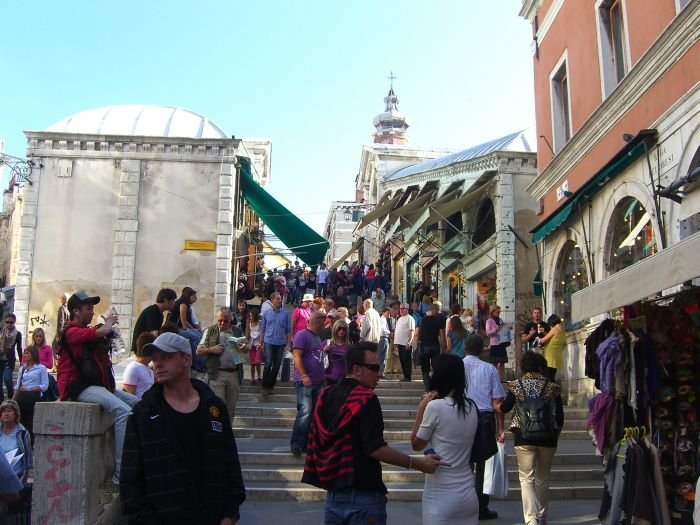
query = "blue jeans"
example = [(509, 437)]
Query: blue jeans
[(355, 507), (306, 401), (382, 348), (194, 338), (273, 359), (428, 353), (118, 404), (7, 367)]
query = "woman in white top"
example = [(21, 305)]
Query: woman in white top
[(446, 422), (32, 382), (138, 376)]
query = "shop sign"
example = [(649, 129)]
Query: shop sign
[(666, 155), (203, 246)]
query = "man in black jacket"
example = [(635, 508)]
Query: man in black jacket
[(180, 462)]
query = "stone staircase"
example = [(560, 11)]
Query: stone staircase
[(271, 472)]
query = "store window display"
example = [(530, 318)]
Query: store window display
[(571, 277), (632, 236)]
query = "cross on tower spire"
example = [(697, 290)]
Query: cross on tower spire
[(391, 79)]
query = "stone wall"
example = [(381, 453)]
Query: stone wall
[(73, 465)]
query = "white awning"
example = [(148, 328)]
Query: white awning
[(442, 211), (379, 211), (340, 260), (663, 270)]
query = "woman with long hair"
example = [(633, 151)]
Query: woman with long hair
[(554, 343), (336, 348), (456, 337), (44, 349), (446, 422), (498, 357), (181, 315), (240, 316), (534, 456), (32, 382)]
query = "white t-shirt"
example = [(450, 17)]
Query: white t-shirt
[(138, 375), (322, 276), (404, 326)]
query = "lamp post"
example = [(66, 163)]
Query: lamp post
[(347, 214)]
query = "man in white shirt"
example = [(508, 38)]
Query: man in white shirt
[(370, 328), (485, 389), (322, 280), (383, 346), (403, 339)]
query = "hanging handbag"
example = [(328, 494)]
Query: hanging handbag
[(484, 445)]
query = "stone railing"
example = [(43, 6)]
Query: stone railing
[(74, 465)]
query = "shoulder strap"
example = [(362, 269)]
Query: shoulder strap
[(21, 375)]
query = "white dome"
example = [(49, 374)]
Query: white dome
[(140, 120)]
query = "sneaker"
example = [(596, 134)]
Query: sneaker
[(296, 451)]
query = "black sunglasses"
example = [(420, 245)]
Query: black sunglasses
[(370, 366)]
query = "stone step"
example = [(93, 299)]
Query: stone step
[(286, 420), (296, 491), (287, 460), (276, 397), (383, 386), (398, 435), (396, 475)]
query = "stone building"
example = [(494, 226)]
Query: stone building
[(389, 152), (457, 224), (617, 98), (130, 199)]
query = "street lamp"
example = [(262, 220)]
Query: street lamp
[(347, 213)]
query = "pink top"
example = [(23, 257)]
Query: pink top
[(492, 329), (45, 356), (300, 319)]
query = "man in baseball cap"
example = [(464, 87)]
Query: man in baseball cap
[(80, 298), (161, 459)]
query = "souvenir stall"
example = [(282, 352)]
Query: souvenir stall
[(645, 361)]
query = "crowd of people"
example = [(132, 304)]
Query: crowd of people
[(341, 333)]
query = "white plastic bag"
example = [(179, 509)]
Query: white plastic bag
[(496, 474)]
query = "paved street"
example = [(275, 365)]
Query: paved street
[(577, 512)]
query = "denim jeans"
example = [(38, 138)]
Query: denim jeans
[(118, 404), (306, 401), (355, 507), (273, 359), (7, 367), (382, 348), (427, 355), (194, 338)]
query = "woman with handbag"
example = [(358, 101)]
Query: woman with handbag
[(535, 441), (32, 382), (447, 422)]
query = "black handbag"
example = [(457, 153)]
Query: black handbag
[(484, 445)]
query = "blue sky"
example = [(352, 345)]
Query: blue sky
[(309, 75)]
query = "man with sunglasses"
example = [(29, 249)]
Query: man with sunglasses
[(10, 340), (346, 444)]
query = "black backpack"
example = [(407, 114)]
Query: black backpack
[(536, 414)]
